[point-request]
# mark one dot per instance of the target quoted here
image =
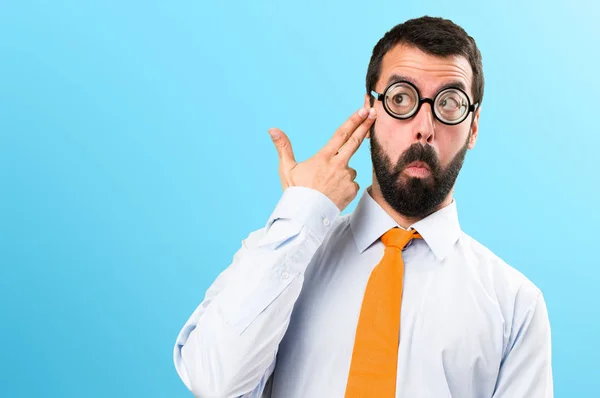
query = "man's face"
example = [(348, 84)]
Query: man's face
[(416, 161)]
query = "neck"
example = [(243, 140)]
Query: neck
[(375, 191)]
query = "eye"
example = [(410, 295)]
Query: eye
[(401, 99), (450, 104)]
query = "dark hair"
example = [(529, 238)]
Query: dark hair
[(432, 35)]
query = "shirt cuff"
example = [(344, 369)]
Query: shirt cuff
[(306, 206)]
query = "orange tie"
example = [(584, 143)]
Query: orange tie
[(375, 355)]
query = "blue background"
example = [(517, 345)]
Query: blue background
[(134, 158)]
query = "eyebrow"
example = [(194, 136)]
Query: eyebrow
[(451, 84)]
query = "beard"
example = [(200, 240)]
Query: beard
[(415, 197)]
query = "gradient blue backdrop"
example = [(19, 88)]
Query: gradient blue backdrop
[(134, 158)]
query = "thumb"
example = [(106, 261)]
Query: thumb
[(283, 146)]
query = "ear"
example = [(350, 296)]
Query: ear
[(367, 105), (474, 129)]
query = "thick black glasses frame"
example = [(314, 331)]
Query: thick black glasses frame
[(430, 101)]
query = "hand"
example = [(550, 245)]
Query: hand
[(328, 170)]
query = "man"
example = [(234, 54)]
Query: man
[(393, 300)]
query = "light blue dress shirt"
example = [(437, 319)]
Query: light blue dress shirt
[(280, 320)]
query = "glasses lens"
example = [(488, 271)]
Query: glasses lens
[(451, 106), (402, 100)]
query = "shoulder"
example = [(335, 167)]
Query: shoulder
[(338, 234), (335, 228), (489, 261), (512, 289)]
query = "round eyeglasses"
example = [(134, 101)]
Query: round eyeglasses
[(402, 100)]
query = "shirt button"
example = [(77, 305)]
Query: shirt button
[(285, 275), (326, 221)]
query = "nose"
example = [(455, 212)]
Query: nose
[(424, 124)]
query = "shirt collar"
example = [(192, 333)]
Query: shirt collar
[(369, 221)]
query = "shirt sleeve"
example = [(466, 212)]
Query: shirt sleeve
[(526, 370), (228, 346)]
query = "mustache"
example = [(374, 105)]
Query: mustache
[(419, 153)]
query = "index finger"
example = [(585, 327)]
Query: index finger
[(344, 132), (353, 143)]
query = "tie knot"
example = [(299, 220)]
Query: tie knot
[(397, 237)]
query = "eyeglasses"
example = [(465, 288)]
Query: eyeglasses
[(402, 100)]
